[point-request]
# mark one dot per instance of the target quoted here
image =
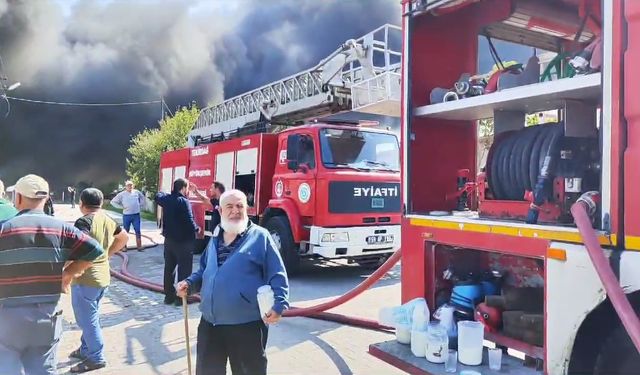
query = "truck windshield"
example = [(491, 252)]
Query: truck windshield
[(359, 150)]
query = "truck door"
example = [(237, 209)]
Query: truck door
[(245, 176), (224, 169), (299, 183)]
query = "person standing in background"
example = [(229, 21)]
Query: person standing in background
[(6, 208), (48, 207), (215, 191), (87, 290), (130, 201), (179, 231)]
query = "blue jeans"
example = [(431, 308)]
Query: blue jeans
[(128, 220), (86, 303), (29, 337)]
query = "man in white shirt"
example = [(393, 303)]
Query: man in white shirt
[(130, 201)]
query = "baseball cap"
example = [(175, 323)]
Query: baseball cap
[(91, 197), (32, 186), (128, 182)]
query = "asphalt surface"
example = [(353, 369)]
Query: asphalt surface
[(144, 336)]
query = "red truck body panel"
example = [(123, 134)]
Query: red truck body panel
[(304, 195)]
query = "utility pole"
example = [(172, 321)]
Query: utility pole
[(161, 108)]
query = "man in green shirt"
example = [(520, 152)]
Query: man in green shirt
[(6, 208), (89, 288)]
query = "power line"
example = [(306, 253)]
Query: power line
[(81, 104)]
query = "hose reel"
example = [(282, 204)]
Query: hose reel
[(539, 165)]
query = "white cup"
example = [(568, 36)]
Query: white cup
[(495, 359)]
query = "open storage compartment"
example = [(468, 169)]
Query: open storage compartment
[(534, 170), (504, 291)]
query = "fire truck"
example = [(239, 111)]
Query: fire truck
[(325, 188), (498, 239)]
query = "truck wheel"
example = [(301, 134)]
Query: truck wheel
[(278, 227), (618, 355)]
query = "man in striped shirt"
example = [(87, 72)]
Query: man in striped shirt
[(39, 258)]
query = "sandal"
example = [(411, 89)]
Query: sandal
[(86, 366), (76, 354)]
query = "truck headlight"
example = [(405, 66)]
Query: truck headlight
[(335, 237)]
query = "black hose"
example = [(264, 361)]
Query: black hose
[(534, 165), (494, 174), (534, 133), (517, 159), (517, 188), (505, 183), (549, 158)]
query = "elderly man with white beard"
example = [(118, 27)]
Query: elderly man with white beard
[(240, 258)]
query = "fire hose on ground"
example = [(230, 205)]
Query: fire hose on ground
[(626, 313), (315, 312)]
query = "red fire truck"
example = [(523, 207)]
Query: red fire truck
[(326, 189), (506, 222)]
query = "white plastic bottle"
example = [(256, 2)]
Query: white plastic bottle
[(420, 317)]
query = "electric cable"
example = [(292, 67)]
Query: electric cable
[(35, 101)]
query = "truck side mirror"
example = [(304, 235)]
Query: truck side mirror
[(292, 165)]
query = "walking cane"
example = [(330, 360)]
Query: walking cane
[(185, 310)]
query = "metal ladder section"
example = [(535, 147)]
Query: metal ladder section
[(321, 90)]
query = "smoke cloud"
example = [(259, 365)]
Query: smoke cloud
[(121, 51)]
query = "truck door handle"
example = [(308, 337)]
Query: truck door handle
[(288, 192)]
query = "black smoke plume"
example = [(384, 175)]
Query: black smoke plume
[(122, 51)]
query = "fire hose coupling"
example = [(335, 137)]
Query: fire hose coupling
[(591, 199)]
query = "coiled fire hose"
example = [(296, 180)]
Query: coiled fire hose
[(315, 312)]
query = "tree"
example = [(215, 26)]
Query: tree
[(143, 161)]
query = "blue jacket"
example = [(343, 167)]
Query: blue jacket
[(229, 292), (177, 217)]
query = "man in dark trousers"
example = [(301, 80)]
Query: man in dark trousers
[(39, 257), (238, 261), (179, 231), (215, 191)]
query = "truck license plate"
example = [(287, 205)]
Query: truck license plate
[(380, 239)]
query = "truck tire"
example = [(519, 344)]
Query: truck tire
[(618, 355), (278, 227)]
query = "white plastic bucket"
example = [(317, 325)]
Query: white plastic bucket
[(470, 342)]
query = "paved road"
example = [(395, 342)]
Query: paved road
[(143, 336)]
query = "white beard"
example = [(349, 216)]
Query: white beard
[(235, 227)]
